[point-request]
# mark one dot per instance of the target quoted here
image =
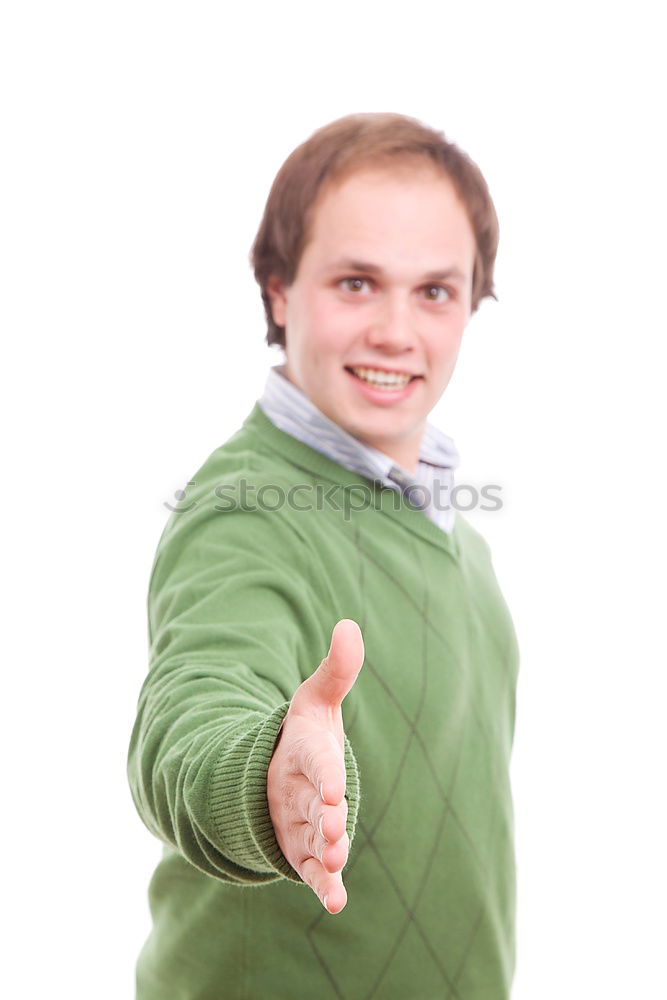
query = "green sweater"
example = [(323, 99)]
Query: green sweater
[(247, 585)]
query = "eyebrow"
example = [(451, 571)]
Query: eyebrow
[(349, 264)]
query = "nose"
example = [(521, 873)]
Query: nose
[(391, 327)]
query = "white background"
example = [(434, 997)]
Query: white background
[(140, 140)]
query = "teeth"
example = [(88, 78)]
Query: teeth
[(382, 379)]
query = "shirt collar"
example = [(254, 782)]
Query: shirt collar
[(292, 411)]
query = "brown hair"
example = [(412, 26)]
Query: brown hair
[(337, 150)]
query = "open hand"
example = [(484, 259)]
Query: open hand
[(306, 778)]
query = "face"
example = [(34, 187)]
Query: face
[(374, 317)]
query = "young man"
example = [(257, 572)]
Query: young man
[(302, 534)]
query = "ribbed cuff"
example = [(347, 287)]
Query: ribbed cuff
[(239, 807)]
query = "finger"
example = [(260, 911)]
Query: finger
[(328, 887), (338, 671), (332, 857), (312, 843), (329, 821), (321, 760), (333, 821)]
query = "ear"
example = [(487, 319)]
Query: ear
[(276, 291)]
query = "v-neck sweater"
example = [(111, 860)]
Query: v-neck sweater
[(273, 544)]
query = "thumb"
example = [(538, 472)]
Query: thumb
[(338, 671)]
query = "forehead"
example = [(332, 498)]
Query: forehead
[(398, 210)]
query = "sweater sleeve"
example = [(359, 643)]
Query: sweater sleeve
[(234, 630)]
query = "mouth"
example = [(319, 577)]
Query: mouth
[(382, 378)]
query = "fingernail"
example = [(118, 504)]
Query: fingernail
[(319, 826), (322, 790), (324, 901)]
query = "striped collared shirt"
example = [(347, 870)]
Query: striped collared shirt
[(293, 412)]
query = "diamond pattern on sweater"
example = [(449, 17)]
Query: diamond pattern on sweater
[(404, 925)]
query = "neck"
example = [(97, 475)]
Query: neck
[(405, 455)]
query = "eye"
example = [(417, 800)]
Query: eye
[(436, 293), (353, 284)]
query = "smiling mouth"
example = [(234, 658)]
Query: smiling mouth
[(382, 379)]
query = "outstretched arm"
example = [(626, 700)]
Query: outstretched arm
[(233, 625)]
